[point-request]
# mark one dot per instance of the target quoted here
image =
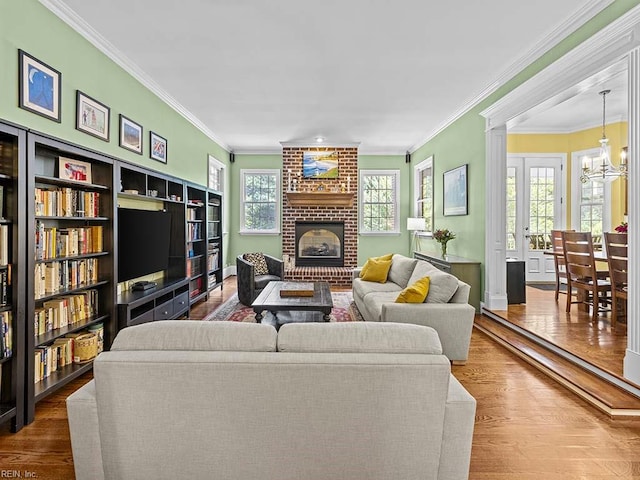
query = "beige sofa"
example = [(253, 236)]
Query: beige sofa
[(446, 308), (238, 401)]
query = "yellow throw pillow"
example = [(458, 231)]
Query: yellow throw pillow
[(366, 266), (377, 270), (416, 292)]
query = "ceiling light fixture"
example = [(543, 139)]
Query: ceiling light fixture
[(605, 171), (319, 139)]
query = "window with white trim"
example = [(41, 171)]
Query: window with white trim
[(423, 191), (379, 201), (589, 212), (260, 201), (215, 174)]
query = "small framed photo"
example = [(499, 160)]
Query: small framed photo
[(158, 147), (75, 170), (92, 116), (40, 87), (130, 135), (455, 191)]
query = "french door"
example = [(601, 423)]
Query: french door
[(534, 208)]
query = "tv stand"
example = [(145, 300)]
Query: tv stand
[(168, 300), (143, 285)]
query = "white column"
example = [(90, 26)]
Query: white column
[(632, 356), (495, 277)]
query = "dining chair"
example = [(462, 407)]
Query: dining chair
[(582, 274), (558, 260), (616, 247)]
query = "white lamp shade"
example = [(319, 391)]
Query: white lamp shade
[(416, 224)]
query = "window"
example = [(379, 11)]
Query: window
[(215, 174), (423, 190), (512, 208), (260, 205), (379, 201), (589, 213)]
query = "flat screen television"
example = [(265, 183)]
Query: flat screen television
[(143, 242)]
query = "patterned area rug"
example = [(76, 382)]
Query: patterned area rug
[(344, 310)]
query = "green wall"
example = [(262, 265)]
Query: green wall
[(464, 142), (29, 26)]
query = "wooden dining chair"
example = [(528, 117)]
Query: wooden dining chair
[(558, 260), (582, 274), (616, 247)]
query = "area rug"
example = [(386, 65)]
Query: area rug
[(344, 310), (542, 286)]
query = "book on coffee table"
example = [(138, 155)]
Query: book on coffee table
[(296, 289)]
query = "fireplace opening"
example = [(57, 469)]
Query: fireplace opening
[(320, 244)]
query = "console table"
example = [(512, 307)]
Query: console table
[(464, 269)]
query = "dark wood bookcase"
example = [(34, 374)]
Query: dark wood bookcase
[(72, 204), (12, 273), (214, 240), (196, 230)]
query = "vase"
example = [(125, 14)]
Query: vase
[(443, 245)]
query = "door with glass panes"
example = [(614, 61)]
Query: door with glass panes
[(534, 208)]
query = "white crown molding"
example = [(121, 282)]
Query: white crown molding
[(590, 9), (258, 151), (71, 18), (323, 144), (575, 128), (604, 49)]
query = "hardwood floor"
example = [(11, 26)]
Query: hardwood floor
[(527, 426), (596, 343)]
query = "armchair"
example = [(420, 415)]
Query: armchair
[(251, 283)]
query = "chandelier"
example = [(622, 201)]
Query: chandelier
[(604, 171)]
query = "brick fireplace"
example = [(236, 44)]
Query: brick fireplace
[(323, 201)]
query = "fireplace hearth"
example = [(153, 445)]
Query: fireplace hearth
[(319, 244)]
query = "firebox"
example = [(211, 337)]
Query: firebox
[(320, 244)]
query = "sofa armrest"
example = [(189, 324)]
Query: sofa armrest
[(82, 411), (356, 273), (457, 435), (452, 321)]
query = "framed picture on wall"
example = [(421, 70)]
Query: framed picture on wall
[(158, 147), (130, 135), (40, 87), (92, 116), (455, 186)]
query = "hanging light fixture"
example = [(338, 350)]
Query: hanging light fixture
[(605, 171)]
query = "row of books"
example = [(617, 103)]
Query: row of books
[(4, 245), (196, 287), (64, 311), (56, 242), (67, 202), (194, 231), (192, 214), (59, 276), (213, 229), (5, 286), (194, 267), (6, 335), (51, 358), (212, 260)]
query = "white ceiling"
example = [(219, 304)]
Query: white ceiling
[(385, 73)]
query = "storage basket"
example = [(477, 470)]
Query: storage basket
[(98, 329), (85, 347)]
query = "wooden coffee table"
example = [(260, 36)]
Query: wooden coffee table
[(269, 299)]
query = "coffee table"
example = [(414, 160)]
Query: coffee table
[(269, 299)]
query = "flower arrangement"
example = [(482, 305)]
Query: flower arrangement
[(622, 228), (442, 236)]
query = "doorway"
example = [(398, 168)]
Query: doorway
[(534, 208)]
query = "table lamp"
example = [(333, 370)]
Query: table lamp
[(416, 225)]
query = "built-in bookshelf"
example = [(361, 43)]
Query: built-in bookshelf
[(196, 225), (70, 240), (12, 274), (214, 240)]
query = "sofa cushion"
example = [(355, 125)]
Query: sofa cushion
[(421, 270), (415, 293), (371, 260), (197, 335), (258, 261), (401, 270), (262, 280), (362, 287), (376, 270), (442, 287), (360, 337)]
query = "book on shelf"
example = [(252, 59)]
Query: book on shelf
[(4, 245), (296, 289), (5, 286), (6, 335)]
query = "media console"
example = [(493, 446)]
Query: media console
[(168, 300)]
